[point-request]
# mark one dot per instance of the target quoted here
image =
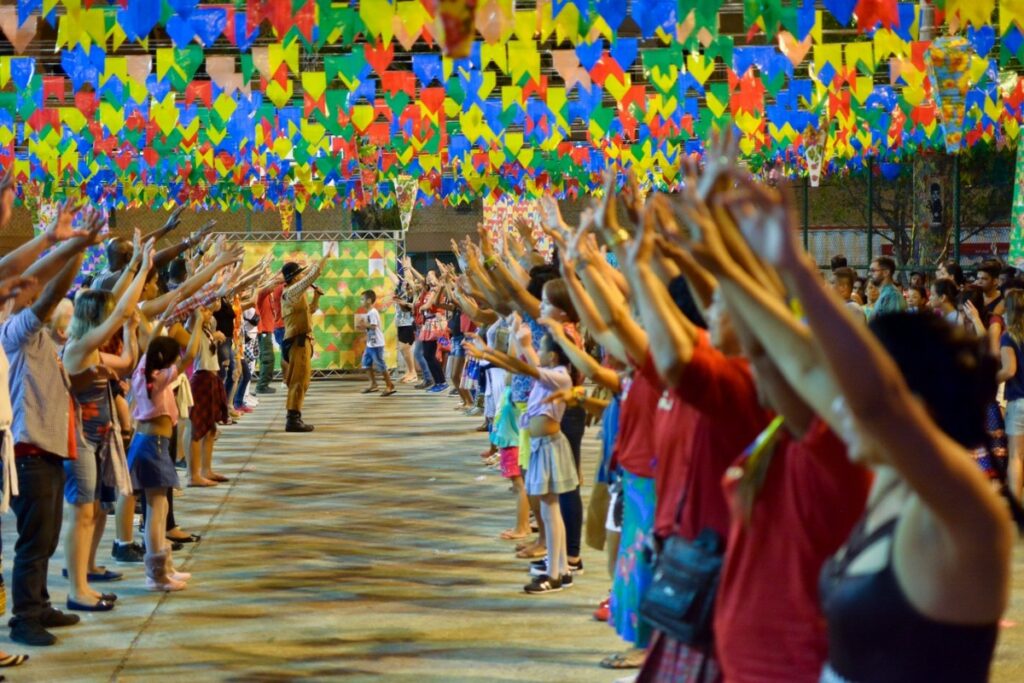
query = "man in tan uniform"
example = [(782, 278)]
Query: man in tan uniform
[(298, 337)]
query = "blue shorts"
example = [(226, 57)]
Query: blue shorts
[(374, 358), (83, 480), (150, 463), (457, 350)]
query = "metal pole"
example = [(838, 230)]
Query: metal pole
[(871, 206), (807, 213), (956, 207)]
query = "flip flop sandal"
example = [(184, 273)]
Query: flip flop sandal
[(13, 660), (509, 535), (620, 661), (532, 554), (390, 392), (369, 391)]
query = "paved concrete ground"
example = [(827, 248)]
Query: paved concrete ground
[(364, 551)]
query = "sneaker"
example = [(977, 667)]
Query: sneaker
[(576, 568), (475, 411), (32, 633), (453, 392), (266, 390), (437, 389), (128, 553), (567, 580), (251, 401), (543, 584), (424, 385)]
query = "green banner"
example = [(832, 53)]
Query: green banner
[(355, 266), (1017, 217)]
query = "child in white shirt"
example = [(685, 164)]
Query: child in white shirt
[(373, 356)]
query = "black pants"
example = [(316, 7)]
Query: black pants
[(574, 422), (436, 371), (39, 508)]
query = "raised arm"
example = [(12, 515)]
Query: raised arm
[(672, 336), (123, 364), (59, 285), (506, 281), (297, 289), (21, 259), (613, 308), (155, 307), (49, 266), (98, 336), (199, 319), (886, 414), (764, 315)]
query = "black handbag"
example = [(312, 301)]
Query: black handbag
[(681, 598), (680, 601)]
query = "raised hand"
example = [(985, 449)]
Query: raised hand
[(525, 230), (631, 197), (719, 161), (136, 247), (174, 220), (202, 230), (61, 228), (148, 254), (605, 220), (704, 240), (93, 220), (641, 250), (766, 219), (486, 245)]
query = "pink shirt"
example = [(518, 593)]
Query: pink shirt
[(156, 400)]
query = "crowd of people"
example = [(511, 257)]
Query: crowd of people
[(111, 382), (800, 479)]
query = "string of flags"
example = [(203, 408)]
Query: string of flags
[(324, 103)]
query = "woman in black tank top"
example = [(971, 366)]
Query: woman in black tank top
[(917, 592)]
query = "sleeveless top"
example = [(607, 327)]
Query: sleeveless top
[(875, 634), (94, 403)]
